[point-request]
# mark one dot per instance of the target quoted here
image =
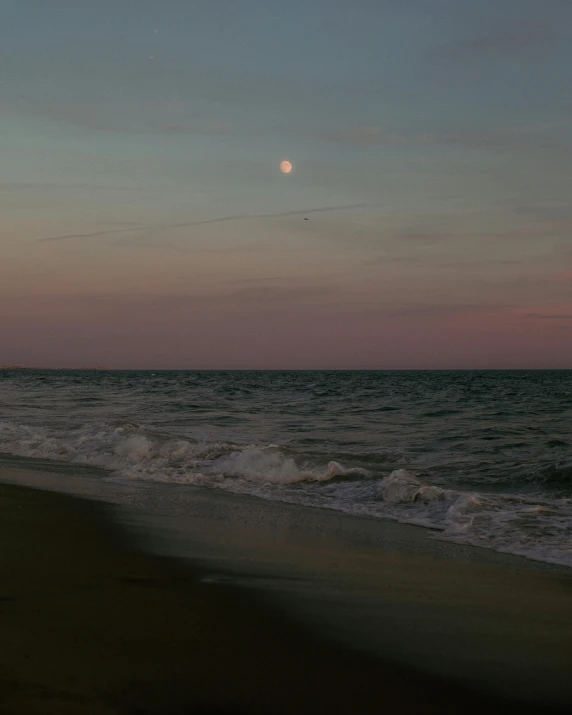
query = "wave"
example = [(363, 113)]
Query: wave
[(533, 526), (557, 475), (135, 453), (536, 526)]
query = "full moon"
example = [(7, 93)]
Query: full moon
[(285, 167)]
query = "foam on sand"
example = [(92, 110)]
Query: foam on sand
[(537, 525)]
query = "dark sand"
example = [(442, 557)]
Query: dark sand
[(88, 624), (498, 622)]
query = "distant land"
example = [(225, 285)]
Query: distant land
[(39, 367)]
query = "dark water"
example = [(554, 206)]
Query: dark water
[(484, 457)]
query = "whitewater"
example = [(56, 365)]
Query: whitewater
[(481, 458)]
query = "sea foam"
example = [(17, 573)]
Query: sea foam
[(538, 526)]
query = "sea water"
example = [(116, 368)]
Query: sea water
[(477, 457)]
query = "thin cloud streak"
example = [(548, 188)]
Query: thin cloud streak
[(539, 316), (6, 186), (517, 37), (516, 137), (221, 219)]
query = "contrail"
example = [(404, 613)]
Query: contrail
[(221, 219), (96, 233)]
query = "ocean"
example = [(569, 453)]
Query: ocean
[(476, 457)]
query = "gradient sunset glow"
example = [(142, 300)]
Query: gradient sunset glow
[(427, 224)]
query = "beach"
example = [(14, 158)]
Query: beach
[(286, 358), (93, 622)]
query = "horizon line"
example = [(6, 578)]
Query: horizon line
[(8, 368)]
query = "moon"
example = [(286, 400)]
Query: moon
[(286, 167)]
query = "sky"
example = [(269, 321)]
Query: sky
[(145, 221)]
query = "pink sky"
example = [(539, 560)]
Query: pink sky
[(146, 223)]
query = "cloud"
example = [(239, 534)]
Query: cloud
[(365, 135), (214, 91), (432, 311), (423, 236), (437, 310), (250, 281), (546, 210), (514, 37), (122, 117), (522, 137), (271, 292), (380, 260), (54, 186), (541, 229), (282, 293), (182, 127), (220, 219), (516, 137), (540, 316)]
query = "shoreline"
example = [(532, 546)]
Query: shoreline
[(494, 622), (93, 625), (310, 577), (52, 475)]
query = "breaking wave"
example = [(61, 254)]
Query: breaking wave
[(534, 526), (537, 526), (131, 452)]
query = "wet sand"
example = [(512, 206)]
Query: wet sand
[(498, 622), (91, 624)]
